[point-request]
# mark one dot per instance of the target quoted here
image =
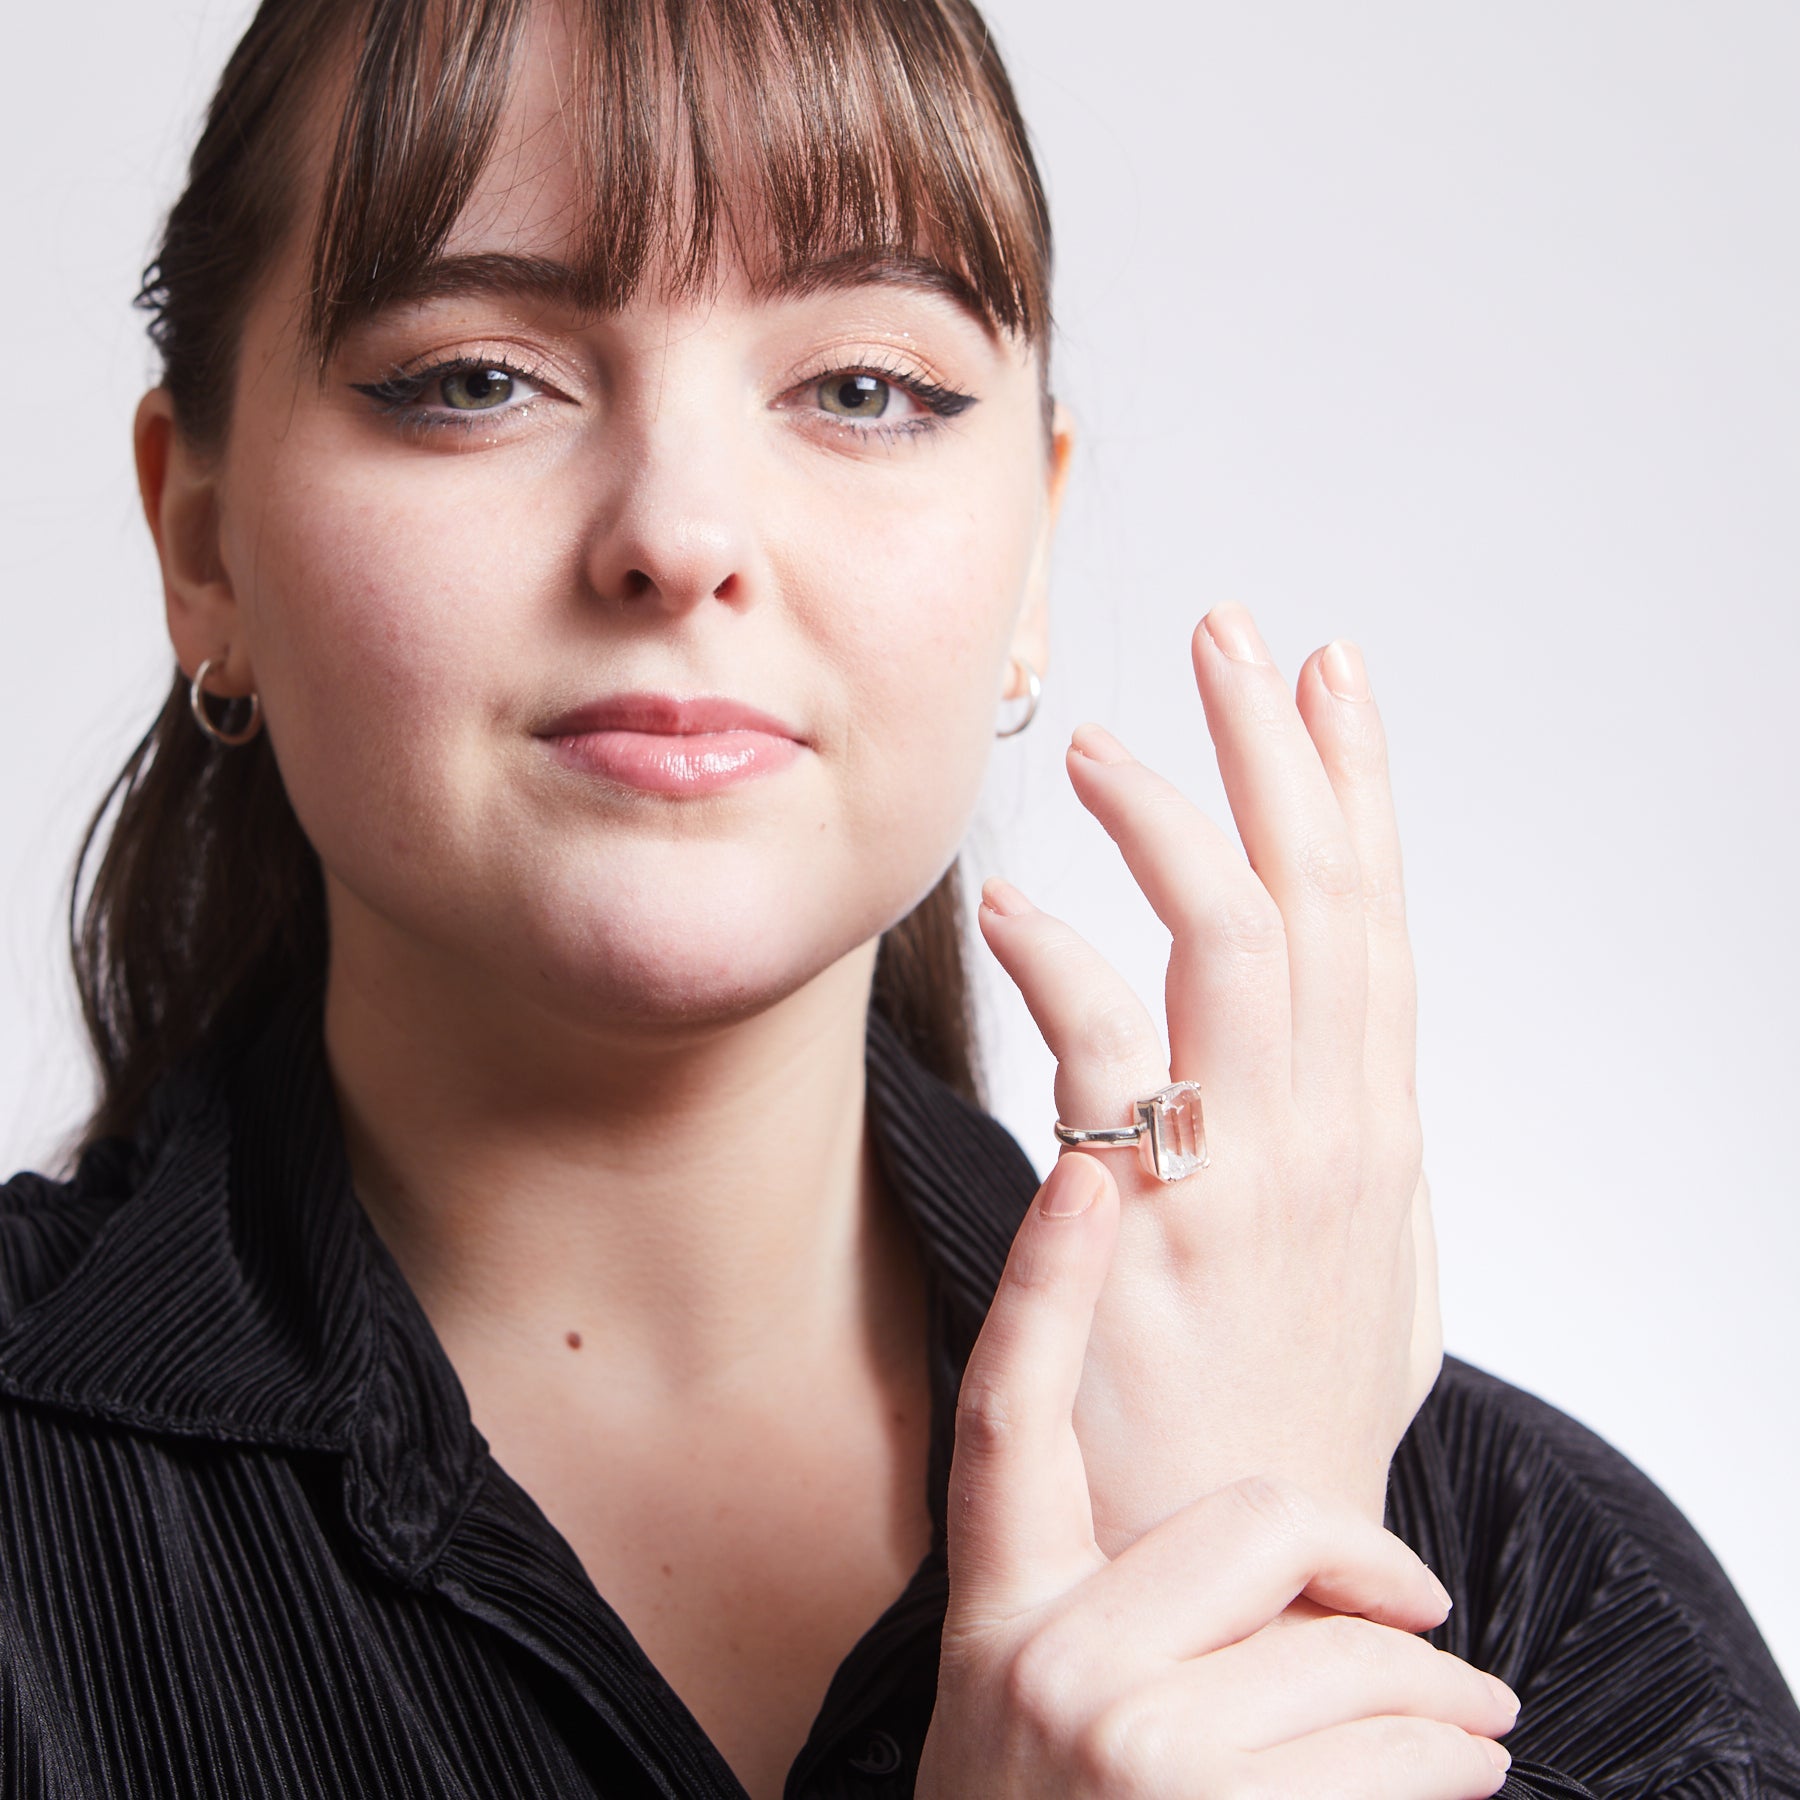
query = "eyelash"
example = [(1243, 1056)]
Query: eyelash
[(397, 393), (940, 403), (398, 390)]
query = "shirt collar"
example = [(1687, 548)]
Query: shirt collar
[(237, 1291), (212, 1301)]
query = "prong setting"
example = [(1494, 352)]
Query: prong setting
[(1172, 1132)]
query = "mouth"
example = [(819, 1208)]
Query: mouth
[(659, 744)]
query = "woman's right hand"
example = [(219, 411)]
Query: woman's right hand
[(1218, 1656)]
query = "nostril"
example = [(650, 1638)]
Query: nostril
[(675, 588)]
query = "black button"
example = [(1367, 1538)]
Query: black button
[(881, 1756)]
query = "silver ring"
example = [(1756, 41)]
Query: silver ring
[(218, 733), (1170, 1133), (1034, 690)]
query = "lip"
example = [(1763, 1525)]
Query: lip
[(660, 744)]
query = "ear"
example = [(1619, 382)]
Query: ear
[(1031, 633), (179, 491)]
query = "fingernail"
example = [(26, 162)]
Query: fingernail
[(1002, 897), (1073, 1186), (1232, 629), (1099, 745), (1505, 1695), (1498, 1757), (1443, 1593), (1342, 667)]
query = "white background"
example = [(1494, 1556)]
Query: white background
[(1465, 331)]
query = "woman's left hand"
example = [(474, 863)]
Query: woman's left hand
[(1276, 1313)]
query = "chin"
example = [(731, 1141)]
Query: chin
[(696, 952), (610, 929)]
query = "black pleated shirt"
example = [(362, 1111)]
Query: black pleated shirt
[(251, 1544)]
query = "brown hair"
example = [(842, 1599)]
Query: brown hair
[(856, 127)]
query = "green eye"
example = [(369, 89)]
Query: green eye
[(476, 390), (854, 396)]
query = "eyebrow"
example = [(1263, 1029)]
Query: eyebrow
[(507, 275)]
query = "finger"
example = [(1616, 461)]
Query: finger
[(1223, 1566), (1385, 1759), (1329, 1669), (1020, 1525), (1298, 844), (1229, 1024), (1341, 717), (1107, 1048)]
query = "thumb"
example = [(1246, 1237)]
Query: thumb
[(1021, 1529)]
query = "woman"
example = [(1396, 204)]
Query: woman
[(539, 1310)]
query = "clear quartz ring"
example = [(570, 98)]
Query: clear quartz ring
[(1170, 1133)]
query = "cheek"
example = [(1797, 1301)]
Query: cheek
[(935, 592), (371, 625)]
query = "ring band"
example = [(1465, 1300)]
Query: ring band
[(1170, 1133)]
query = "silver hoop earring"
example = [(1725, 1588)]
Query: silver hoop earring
[(1033, 691), (197, 706)]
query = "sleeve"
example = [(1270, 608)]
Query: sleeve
[(1577, 1581)]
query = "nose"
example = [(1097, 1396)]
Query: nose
[(678, 529)]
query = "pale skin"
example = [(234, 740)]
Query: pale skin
[(561, 1013)]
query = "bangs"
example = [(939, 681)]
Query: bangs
[(788, 134)]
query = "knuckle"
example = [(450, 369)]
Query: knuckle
[(1061, 948), (1114, 1033), (1062, 961), (1264, 700), (1384, 897), (1419, 1751), (1277, 1506), (1356, 1641), (1405, 1668), (1165, 806), (984, 1414), (1114, 1751), (1330, 868), (1250, 926), (1042, 1685), (1359, 744), (1412, 1753)]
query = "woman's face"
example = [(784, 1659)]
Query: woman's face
[(827, 511)]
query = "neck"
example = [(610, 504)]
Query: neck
[(697, 1203)]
